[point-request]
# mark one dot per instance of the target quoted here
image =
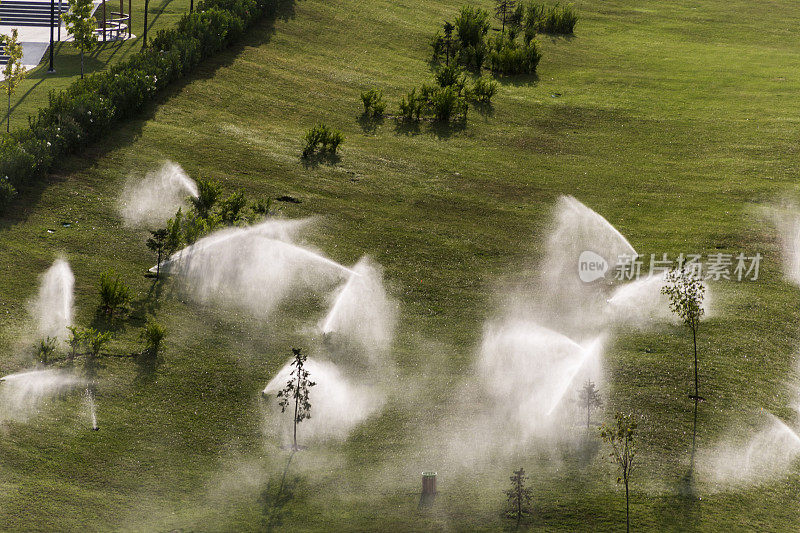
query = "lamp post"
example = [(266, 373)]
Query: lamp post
[(50, 69)]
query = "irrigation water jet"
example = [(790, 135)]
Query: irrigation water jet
[(767, 454), (52, 308), (337, 404), (529, 371), (255, 267), (22, 393), (90, 406), (157, 196), (361, 312)]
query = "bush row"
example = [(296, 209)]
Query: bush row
[(89, 108)]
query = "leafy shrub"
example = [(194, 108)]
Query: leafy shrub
[(484, 89), (509, 57), (208, 192), (446, 103), (472, 25), (411, 106), (451, 76), (231, 208), (441, 104), (114, 294), (45, 348), (322, 139), (560, 20), (373, 102), (153, 335), (96, 341), (89, 108), (7, 193)]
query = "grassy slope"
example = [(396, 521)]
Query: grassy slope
[(674, 121), (32, 93)]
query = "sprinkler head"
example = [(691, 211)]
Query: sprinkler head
[(96, 428)]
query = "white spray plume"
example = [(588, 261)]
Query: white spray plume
[(52, 308), (786, 219), (767, 454), (23, 393), (361, 312), (254, 268), (337, 404), (157, 196), (531, 371)]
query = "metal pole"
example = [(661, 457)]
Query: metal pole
[(130, 19), (104, 20), (59, 20), (50, 69)]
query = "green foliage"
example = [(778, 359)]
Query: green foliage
[(557, 19), (153, 337), (484, 89), (45, 348), (157, 243), (114, 294), (231, 209), (451, 76), (621, 436), (174, 233), (374, 104), (472, 26), (96, 341), (209, 191), (511, 58), (561, 19), (519, 496), (13, 72), (322, 139), (504, 12), (411, 106), (81, 25), (77, 339), (441, 104), (297, 390), (589, 397), (7, 193), (90, 107)]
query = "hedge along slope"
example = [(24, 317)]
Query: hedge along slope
[(90, 107)]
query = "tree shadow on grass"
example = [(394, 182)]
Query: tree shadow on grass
[(128, 131), (276, 496), (370, 123), (518, 80), (320, 158)]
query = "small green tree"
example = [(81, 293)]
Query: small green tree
[(96, 341), (519, 496), (590, 397), (232, 208), (158, 244), (504, 11), (448, 41), (621, 437), (13, 72), (296, 390), (209, 191), (114, 294), (45, 348), (153, 336), (77, 337), (81, 25), (686, 291), (174, 233)]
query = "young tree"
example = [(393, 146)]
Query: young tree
[(77, 337), (45, 348), (686, 291), (96, 341), (114, 295), (590, 397), (13, 72), (209, 191), (81, 25), (519, 496), (158, 244), (296, 390), (153, 335), (504, 11), (448, 40), (621, 438)]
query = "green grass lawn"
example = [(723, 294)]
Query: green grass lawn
[(32, 93), (674, 120)]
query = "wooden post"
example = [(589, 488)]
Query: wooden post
[(428, 488), (104, 20)]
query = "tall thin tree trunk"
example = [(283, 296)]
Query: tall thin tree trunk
[(627, 507), (694, 340), (144, 35), (81, 64), (588, 412), (8, 117), (158, 265), (296, 400)]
